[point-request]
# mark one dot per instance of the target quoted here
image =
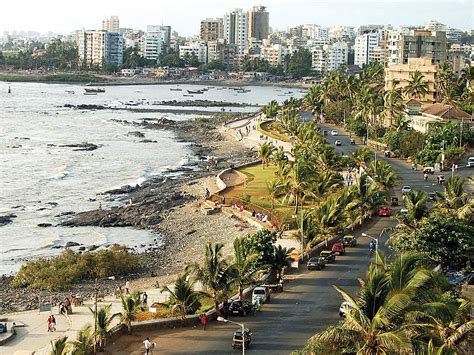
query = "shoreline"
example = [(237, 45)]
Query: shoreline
[(167, 205)]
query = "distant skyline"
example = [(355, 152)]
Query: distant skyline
[(184, 16)]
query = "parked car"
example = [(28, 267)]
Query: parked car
[(338, 142), (470, 162), (344, 308), (428, 170), (328, 255), (262, 293), (241, 308), (432, 196), (385, 212), (316, 263), (349, 241), (334, 133), (338, 248), (406, 189)]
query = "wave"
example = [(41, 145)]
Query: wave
[(62, 172)]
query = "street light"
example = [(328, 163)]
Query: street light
[(376, 242), (222, 319)]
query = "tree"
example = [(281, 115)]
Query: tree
[(104, 322), (367, 195), (84, 342), (280, 259), (265, 152), (455, 200), (244, 265), (215, 273), (417, 87), (59, 346), (271, 109), (383, 173), (172, 60), (260, 243), (183, 298), (393, 100), (300, 63), (130, 306), (273, 187)]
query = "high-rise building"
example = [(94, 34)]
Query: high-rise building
[(212, 29), (453, 35), (364, 48), (329, 56), (258, 19), (111, 24), (236, 29), (221, 51), (433, 25), (155, 42), (98, 48), (423, 44), (199, 50)]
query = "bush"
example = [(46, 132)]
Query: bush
[(410, 143), (59, 272), (358, 127)]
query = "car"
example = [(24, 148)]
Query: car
[(403, 211), (432, 196), (344, 308), (241, 308), (316, 263), (338, 142), (262, 293), (349, 241), (338, 248), (328, 255), (334, 133), (406, 189), (428, 170), (385, 212), (353, 141), (470, 162)]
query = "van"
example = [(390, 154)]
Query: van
[(470, 162), (262, 293)]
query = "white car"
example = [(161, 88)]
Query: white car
[(334, 133), (262, 293), (470, 162), (406, 189), (345, 307), (403, 211), (338, 142)]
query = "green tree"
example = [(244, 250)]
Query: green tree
[(274, 188), (417, 86), (300, 64), (131, 305), (84, 342), (265, 152), (280, 259), (104, 321), (244, 266), (271, 109), (59, 346), (260, 243)]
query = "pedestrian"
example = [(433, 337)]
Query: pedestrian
[(456, 167), (145, 298), (326, 241), (148, 346), (208, 193), (53, 323), (203, 318), (437, 180), (50, 328), (127, 287)]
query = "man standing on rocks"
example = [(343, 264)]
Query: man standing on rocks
[(127, 287)]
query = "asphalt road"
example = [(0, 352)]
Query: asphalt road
[(309, 303)]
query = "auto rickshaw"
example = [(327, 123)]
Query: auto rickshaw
[(238, 340), (353, 141), (394, 201)]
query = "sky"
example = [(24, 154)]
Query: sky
[(184, 16)]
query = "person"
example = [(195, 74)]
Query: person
[(203, 318), (425, 176), (372, 246), (225, 308), (53, 323), (49, 325), (437, 180), (208, 193), (145, 298), (148, 345), (127, 287)]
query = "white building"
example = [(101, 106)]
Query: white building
[(111, 24), (98, 48), (313, 31), (329, 56), (342, 32), (392, 40), (236, 29), (364, 48), (155, 42), (274, 53), (433, 25), (197, 49)]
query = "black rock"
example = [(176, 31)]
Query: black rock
[(4, 220), (71, 244), (44, 225)]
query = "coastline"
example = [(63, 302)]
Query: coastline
[(168, 204)]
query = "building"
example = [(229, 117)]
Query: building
[(402, 73), (458, 59), (422, 44), (274, 54), (391, 43), (433, 25), (317, 32), (221, 51), (329, 56), (156, 42), (438, 113), (258, 22), (111, 24), (212, 29), (364, 48), (453, 35), (197, 49), (236, 29), (99, 48)]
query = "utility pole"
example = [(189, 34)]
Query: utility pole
[(95, 316)]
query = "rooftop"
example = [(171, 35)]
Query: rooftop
[(445, 111)]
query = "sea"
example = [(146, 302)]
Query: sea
[(40, 180)]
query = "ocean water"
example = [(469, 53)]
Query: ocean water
[(40, 180)]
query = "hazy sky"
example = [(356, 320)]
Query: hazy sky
[(184, 15)]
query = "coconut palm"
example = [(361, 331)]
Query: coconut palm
[(367, 195), (59, 346), (244, 266), (271, 109), (362, 154), (383, 173), (417, 87), (415, 203), (183, 299), (401, 123), (295, 182), (445, 79), (312, 100), (84, 342), (280, 259), (104, 321), (265, 152), (215, 273), (131, 305), (455, 199), (274, 188), (393, 100)]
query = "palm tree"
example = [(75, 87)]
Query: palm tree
[(417, 87), (280, 259), (401, 123), (312, 100), (445, 79), (265, 152), (244, 266), (104, 322), (131, 305), (271, 109), (183, 298), (274, 188), (215, 273), (84, 342), (455, 200), (393, 100), (295, 182), (383, 173), (367, 195), (362, 154), (415, 203), (59, 346)]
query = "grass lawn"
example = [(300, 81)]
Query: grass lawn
[(269, 130), (256, 187)]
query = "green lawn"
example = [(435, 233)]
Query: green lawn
[(269, 130)]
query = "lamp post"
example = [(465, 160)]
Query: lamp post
[(222, 319), (95, 316), (376, 242)]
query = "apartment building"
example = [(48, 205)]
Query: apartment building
[(221, 51), (236, 29), (99, 48), (258, 23), (155, 42), (198, 49), (212, 29), (423, 44), (364, 48), (274, 53), (329, 56), (111, 24)]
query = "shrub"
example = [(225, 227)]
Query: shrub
[(58, 273)]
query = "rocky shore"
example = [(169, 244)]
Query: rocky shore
[(169, 204)]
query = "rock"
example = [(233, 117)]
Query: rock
[(44, 225), (4, 220), (148, 141), (82, 248), (92, 247), (52, 203), (71, 244), (136, 134), (81, 146)]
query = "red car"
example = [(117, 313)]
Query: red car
[(338, 248), (385, 212)]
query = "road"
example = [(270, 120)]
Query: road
[(309, 303)]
